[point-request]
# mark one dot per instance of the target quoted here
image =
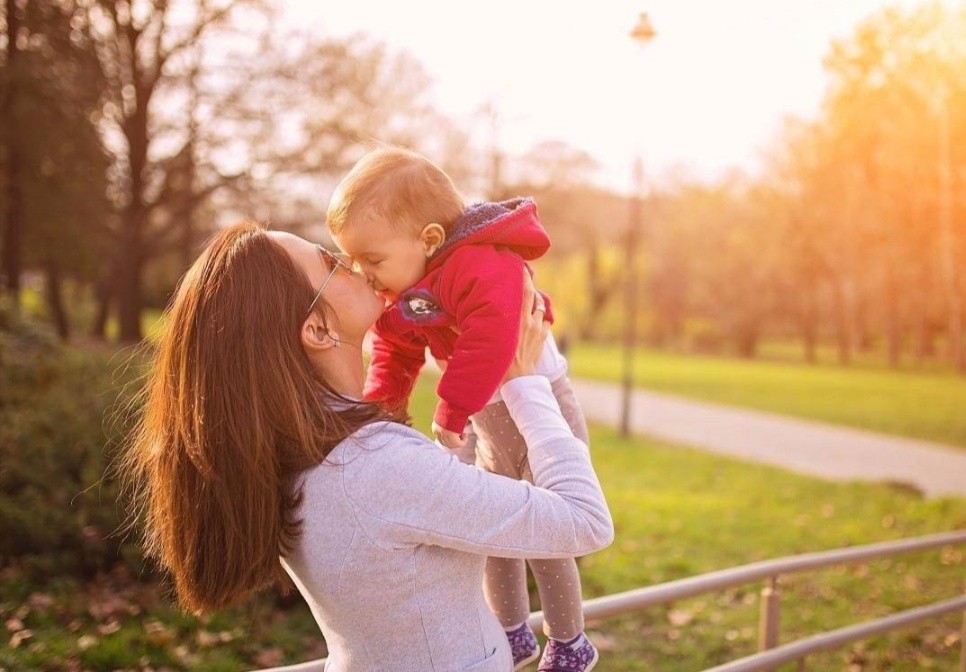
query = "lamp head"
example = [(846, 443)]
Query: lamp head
[(643, 31)]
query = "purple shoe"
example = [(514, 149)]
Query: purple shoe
[(578, 656), (523, 645)]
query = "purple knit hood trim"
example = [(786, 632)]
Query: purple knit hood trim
[(476, 218)]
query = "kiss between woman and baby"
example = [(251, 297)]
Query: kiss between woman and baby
[(265, 446)]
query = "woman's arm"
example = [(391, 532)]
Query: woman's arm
[(418, 494)]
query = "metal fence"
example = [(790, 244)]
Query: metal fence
[(769, 571), (770, 654)]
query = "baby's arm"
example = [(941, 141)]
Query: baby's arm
[(396, 361)]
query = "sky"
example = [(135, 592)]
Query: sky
[(704, 96)]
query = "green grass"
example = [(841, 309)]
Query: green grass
[(681, 512), (116, 623), (918, 405), (678, 513)]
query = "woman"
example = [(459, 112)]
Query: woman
[(254, 445)]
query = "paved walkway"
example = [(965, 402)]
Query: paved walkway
[(804, 446)]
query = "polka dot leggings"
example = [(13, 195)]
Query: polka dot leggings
[(501, 449)]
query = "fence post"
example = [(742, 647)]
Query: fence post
[(769, 615)]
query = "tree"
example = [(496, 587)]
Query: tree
[(13, 192), (892, 84), (145, 50), (56, 164), (579, 216), (328, 100)]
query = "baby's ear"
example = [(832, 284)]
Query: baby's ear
[(433, 235)]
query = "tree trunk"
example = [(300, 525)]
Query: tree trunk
[(893, 326), (599, 289), (128, 292), (863, 340), (808, 322), (920, 336), (586, 332), (747, 342), (949, 242), (55, 300), (104, 295), (99, 326), (844, 337), (920, 317), (13, 212), (133, 220)]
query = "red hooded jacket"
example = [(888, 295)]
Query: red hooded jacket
[(466, 309)]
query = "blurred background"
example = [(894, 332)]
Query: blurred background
[(753, 203)]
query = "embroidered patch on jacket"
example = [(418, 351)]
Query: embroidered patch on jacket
[(420, 306)]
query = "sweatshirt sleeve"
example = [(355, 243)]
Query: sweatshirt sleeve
[(418, 494), (395, 365), (482, 287)]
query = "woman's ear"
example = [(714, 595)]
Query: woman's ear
[(317, 337), (433, 235)]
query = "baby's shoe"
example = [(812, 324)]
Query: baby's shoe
[(578, 655), (523, 645)]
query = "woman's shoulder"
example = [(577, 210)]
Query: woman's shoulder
[(385, 457), (378, 443), (375, 451), (380, 435)]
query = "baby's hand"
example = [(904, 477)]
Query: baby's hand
[(448, 438)]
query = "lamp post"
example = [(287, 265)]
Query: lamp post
[(642, 33)]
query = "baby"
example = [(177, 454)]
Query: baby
[(452, 278)]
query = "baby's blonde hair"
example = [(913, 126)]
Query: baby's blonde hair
[(395, 185)]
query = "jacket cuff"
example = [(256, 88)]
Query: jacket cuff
[(451, 417)]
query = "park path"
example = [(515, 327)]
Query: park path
[(808, 447)]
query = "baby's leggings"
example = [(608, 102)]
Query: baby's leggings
[(500, 449)]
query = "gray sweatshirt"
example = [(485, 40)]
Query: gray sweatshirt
[(396, 532)]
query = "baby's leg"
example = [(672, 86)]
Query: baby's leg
[(501, 450), (563, 391), (558, 581)]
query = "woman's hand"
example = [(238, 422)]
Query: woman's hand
[(533, 332)]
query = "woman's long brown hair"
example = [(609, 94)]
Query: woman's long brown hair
[(233, 411)]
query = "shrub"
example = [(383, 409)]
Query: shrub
[(58, 509)]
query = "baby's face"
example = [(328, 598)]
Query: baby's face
[(392, 260)]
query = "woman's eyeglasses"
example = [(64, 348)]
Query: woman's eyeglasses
[(334, 262)]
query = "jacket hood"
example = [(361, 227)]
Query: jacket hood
[(512, 224)]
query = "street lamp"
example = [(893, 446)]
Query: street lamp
[(642, 33)]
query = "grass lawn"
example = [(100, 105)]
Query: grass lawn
[(678, 513), (914, 404), (681, 512)]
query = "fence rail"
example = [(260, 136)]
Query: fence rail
[(770, 571), (771, 654), (798, 650)]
